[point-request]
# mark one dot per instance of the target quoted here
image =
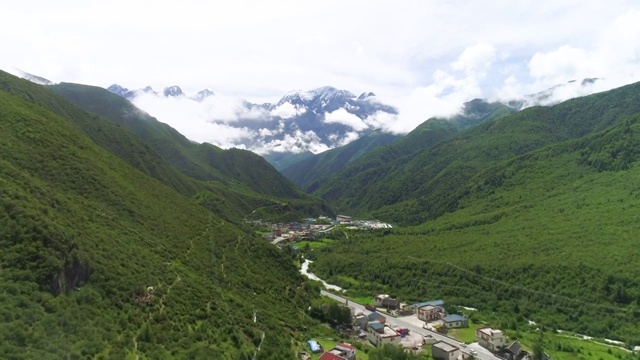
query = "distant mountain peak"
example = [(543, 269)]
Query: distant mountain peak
[(366, 95), (173, 91), (202, 95), (317, 97)]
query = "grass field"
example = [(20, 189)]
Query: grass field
[(314, 244), (564, 347), (329, 343), (467, 335)]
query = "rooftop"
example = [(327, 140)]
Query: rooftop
[(431, 302), (330, 356), (346, 346), (490, 331), (453, 318), (389, 332), (445, 347)]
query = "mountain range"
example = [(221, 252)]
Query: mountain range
[(300, 121), (122, 238)]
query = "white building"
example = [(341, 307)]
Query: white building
[(489, 338), (379, 334)]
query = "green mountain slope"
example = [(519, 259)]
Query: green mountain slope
[(429, 183), (548, 236), (352, 189), (232, 176), (319, 166), (100, 259), (311, 172), (282, 160), (200, 161), (530, 217)]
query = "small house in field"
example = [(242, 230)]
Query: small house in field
[(444, 351), (454, 321)]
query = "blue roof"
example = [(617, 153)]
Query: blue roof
[(314, 346), (439, 303), (374, 315), (376, 325), (453, 318)]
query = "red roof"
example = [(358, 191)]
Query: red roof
[(330, 356), (348, 346)]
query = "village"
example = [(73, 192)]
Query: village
[(285, 234), (417, 327)]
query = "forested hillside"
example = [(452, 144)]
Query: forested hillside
[(103, 258), (319, 166), (531, 217), (428, 183)]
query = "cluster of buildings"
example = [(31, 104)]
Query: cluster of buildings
[(341, 351), (490, 339), (312, 229)]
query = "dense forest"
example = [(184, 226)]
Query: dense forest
[(547, 236), (104, 254), (411, 189)]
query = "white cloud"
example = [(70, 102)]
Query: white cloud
[(426, 57), (288, 110), (347, 138), (208, 121), (342, 116), (299, 142)]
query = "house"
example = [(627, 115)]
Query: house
[(513, 351), (428, 313), (378, 334), (390, 304), (344, 219), (341, 351), (454, 321), (375, 316), (444, 351), (377, 300), (490, 339), (385, 301)]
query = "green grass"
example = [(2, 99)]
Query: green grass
[(314, 244), (563, 347), (365, 300), (467, 335)]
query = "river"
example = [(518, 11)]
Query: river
[(304, 270)]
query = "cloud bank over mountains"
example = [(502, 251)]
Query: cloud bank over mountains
[(424, 58)]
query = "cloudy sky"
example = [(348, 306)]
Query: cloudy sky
[(425, 57)]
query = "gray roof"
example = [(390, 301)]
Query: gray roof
[(439, 303), (446, 347), (376, 325), (453, 318)]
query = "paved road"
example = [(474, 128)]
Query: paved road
[(483, 353)]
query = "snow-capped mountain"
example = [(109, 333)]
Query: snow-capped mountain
[(312, 120), (202, 95), (172, 91)]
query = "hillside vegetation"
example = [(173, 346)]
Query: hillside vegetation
[(103, 258), (315, 168), (356, 187), (241, 178), (424, 185), (533, 217)]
